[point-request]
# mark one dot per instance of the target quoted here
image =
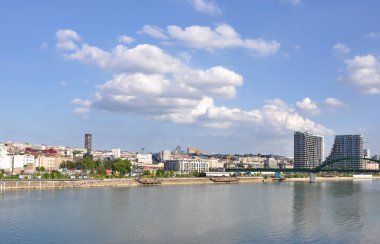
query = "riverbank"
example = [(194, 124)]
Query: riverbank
[(12, 185)]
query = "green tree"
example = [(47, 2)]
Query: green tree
[(160, 173), (88, 163), (121, 166), (100, 169), (40, 169)]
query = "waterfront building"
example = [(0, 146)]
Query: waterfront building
[(116, 153), (187, 165), (347, 146), (19, 161), (5, 159), (88, 143), (308, 150)]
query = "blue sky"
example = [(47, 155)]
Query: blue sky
[(226, 76)]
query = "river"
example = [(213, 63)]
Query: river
[(290, 212)]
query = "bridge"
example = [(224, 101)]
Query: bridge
[(326, 166)]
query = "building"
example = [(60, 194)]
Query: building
[(88, 143), (165, 155), (215, 164), (366, 153), (187, 165), (144, 158), (116, 153), (347, 146), (271, 163), (308, 150), (5, 159)]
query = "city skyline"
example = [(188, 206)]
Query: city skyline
[(225, 77)]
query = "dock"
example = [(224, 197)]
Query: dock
[(148, 181), (226, 180)]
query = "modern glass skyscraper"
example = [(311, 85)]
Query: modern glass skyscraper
[(347, 146), (88, 143), (308, 150)]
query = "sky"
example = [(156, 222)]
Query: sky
[(224, 76)]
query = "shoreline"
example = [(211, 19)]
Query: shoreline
[(22, 185)]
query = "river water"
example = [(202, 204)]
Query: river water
[(290, 212)]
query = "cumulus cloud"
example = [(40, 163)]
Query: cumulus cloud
[(341, 48), (126, 39), (308, 106), (333, 102), (153, 31), (66, 39), (221, 37), (207, 7), (364, 73), (146, 80)]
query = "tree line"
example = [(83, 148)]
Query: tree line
[(98, 167)]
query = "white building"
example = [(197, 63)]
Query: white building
[(144, 158), (270, 163), (5, 159), (166, 155), (215, 163), (116, 153), (20, 161), (187, 165)]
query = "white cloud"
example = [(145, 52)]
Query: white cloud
[(125, 39), (63, 83), (223, 36), (66, 39), (341, 48), (364, 73), (81, 102), (153, 31), (81, 110), (282, 117), (83, 105), (333, 102), (151, 82), (207, 7), (308, 106), (374, 35)]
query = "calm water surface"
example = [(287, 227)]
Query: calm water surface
[(326, 212)]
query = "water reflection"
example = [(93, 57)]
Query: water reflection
[(326, 212)]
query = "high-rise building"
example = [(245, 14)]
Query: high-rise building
[(88, 143), (308, 150), (116, 153), (347, 146)]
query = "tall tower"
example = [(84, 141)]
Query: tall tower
[(348, 146), (88, 143), (308, 150)]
